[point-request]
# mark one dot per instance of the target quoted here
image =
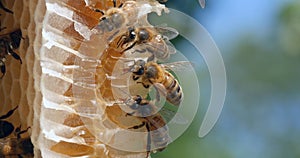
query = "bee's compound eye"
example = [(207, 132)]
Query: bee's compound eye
[(117, 20), (140, 71), (134, 106), (7, 127), (178, 89), (138, 99), (151, 72), (143, 35), (132, 33), (140, 67)]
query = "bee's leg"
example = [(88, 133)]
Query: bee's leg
[(15, 55), (3, 69), (21, 132), (121, 41), (18, 131), (9, 113), (140, 50), (145, 85), (115, 3), (138, 126), (129, 114), (5, 9), (148, 140), (120, 5), (99, 11), (151, 58), (133, 44), (135, 77)]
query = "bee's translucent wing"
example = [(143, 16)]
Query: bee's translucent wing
[(178, 66), (160, 92), (159, 46), (161, 51), (172, 116), (202, 3), (171, 47), (168, 33)]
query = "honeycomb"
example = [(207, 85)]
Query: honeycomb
[(60, 78)]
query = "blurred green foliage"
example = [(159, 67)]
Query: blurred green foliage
[(289, 33)]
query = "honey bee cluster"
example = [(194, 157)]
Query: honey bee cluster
[(95, 65), (109, 47)]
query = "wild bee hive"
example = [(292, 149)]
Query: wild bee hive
[(73, 54)]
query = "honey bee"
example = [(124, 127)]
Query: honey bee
[(111, 20), (8, 43), (137, 113), (143, 37), (7, 128), (13, 146), (4, 8), (146, 37), (110, 57), (154, 74), (16, 147), (119, 45), (153, 40), (122, 13), (158, 134), (124, 35)]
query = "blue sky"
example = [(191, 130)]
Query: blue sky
[(228, 19)]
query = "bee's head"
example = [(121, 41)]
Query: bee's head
[(138, 69), (143, 35), (134, 103), (128, 39), (16, 37), (134, 36), (151, 71)]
